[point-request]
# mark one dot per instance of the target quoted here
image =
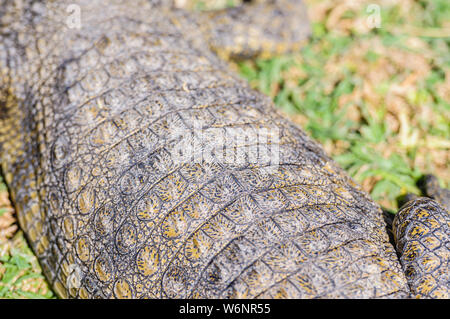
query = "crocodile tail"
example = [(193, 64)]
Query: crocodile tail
[(422, 233)]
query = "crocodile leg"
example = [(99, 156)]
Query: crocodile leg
[(431, 188), (258, 28), (422, 231)]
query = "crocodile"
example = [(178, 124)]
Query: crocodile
[(141, 166)]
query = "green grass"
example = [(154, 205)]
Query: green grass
[(20, 273), (21, 276), (360, 145)]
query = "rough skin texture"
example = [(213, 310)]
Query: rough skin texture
[(260, 29), (432, 189), (421, 229), (91, 120)]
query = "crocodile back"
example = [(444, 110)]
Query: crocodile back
[(142, 167)]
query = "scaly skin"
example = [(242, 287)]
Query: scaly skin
[(421, 229), (91, 121)]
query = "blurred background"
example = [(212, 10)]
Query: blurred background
[(372, 85)]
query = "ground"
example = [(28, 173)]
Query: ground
[(375, 92)]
